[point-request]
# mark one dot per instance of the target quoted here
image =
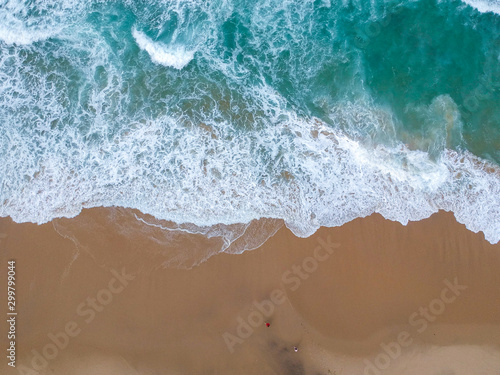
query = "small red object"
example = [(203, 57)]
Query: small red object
[(268, 324)]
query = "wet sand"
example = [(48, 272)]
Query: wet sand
[(428, 292)]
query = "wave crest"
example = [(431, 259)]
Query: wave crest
[(174, 56)]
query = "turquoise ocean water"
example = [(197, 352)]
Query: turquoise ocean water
[(207, 112)]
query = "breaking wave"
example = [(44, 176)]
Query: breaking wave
[(176, 57)]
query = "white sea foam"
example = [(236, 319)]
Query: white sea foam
[(20, 35), (24, 23), (485, 6), (310, 176), (175, 56)]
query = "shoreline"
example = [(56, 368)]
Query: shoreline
[(340, 307)]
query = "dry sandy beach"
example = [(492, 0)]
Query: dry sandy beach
[(371, 297)]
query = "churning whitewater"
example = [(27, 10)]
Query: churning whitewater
[(221, 112)]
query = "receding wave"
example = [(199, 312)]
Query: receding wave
[(299, 171)]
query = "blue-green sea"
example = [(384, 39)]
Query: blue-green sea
[(224, 111)]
